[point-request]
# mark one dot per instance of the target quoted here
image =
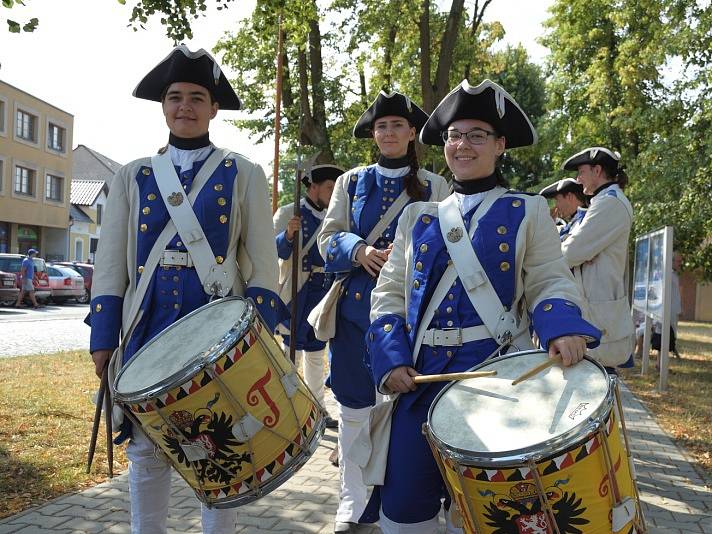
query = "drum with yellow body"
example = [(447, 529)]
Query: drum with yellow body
[(544, 456), (215, 392)]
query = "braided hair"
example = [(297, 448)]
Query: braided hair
[(413, 187)]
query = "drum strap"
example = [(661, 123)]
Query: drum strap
[(216, 278), (502, 324)]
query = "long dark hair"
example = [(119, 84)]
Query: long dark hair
[(617, 175), (413, 187)]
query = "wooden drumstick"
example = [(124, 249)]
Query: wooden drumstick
[(447, 377), (538, 369)]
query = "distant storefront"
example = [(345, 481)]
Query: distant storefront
[(27, 237), (4, 237)]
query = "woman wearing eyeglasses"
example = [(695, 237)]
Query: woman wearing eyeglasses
[(355, 241), (516, 255)]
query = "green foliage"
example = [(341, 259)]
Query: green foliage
[(608, 86), (175, 15), (17, 27)]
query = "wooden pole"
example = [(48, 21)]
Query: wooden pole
[(277, 118), (296, 267)]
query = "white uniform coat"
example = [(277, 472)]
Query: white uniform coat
[(597, 251)]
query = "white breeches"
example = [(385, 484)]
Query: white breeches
[(150, 487), (354, 493)]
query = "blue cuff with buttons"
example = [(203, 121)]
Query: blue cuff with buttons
[(105, 321), (388, 346), (553, 318), (284, 246), (339, 253), (268, 303)]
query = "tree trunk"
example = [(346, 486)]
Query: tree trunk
[(426, 85), (477, 15), (362, 85), (320, 137), (388, 59), (433, 92)]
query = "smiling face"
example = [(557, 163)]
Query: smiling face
[(468, 161), (591, 177), (188, 109), (392, 135), (566, 204)]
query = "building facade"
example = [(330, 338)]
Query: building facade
[(35, 174), (91, 177)]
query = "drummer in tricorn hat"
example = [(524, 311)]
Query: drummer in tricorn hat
[(146, 278), (462, 278)]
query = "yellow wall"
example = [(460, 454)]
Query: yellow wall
[(36, 209), (703, 309)]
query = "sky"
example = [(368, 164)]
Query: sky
[(85, 60)]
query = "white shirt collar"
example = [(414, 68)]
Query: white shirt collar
[(184, 159), (467, 202), (392, 173), (318, 214)]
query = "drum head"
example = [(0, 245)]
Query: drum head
[(197, 338), (490, 418)]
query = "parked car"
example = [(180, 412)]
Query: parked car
[(8, 289), (65, 283), (87, 271), (12, 263)]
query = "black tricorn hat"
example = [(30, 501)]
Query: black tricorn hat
[(322, 173), (487, 102), (386, 104), (595, 155), (182, 65), (567, 185)]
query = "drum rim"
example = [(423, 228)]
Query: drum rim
[(197, 362), (537, 452)]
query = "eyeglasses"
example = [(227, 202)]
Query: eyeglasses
[(476, 136)]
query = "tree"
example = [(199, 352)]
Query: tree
[(17, 27)]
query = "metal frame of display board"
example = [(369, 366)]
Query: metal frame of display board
[(652, 292)]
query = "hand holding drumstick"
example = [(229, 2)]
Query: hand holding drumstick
[(568, 350)]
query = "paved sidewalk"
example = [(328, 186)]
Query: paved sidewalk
[(675, 498)]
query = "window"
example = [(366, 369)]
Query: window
[(2, 174), (2, 116), (26, 126), (78, 250), (99, 210), (24, 181), (55, 137), (55, 188)]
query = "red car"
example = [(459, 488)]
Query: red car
[(12, 263), (65, 283), (87, 271)]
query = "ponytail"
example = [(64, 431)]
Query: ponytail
[(413, 187), (621, 177)]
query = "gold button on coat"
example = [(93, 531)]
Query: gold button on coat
[(450, 296), (140, 269), (516, 203), (547, 307), (408, 328), (353, 177), (357, 296), (218, 187), (448, 309), (423, 248), (388, 327), (260, 300), (175, 292), (97, 307), (222, 201), (143, 227), (228, 163), (501, 230), (219, 259), (176, 306), (503, 247), (151, 196), (419, 266), (272, 302), (146, 210), (504, 266), (425, 219), (146, 172), (176, 278), (449, 354), (416, 284), (223, 219)]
